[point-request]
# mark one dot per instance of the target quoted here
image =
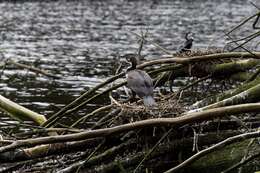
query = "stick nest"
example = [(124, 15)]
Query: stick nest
[(136, 111)]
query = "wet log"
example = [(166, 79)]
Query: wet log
[(233, 67)]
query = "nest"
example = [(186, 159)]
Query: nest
[(199, 52), (136, 111)]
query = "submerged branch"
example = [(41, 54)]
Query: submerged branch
[(34, 69)]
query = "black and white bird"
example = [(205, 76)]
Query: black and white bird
[(187, 44), (140, 83)]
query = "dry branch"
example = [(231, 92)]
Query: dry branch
[(187, 118)]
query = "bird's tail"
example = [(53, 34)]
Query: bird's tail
[(149, 101)]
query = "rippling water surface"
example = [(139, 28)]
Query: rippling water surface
[(77, 40)]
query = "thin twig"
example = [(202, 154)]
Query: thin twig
[(241, 45), (101, 109), (243, 22), (151, 150), (254, 5), (244, 38), (153, 43)]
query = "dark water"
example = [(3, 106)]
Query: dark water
[(77, 40)]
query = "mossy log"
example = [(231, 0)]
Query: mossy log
[(248, 96), (221, 160), (233, 67), (203, 69), (226, 94)]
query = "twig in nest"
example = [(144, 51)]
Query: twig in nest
[(180, 96), (112, 84), (114, 100), (101, 121)]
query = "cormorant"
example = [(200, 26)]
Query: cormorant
[(140, 82), (139, 58), (187, 44)]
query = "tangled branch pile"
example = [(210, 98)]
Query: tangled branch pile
[(209, 123)]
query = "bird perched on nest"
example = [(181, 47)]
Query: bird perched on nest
[(140, 82), (187, 44)]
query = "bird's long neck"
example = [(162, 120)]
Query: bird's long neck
[(133, 66), (186, 36)]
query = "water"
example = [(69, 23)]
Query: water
[(77, 40)]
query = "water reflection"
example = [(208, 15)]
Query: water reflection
[(77, 40)]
